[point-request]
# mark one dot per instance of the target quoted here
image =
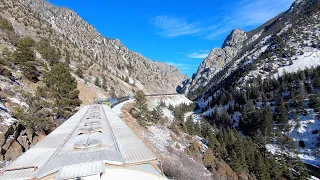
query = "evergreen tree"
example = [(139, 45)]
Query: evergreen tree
[(67, 58), (224, 100), (157, 114), (197, 129), (97, 81), (316, 81), (63, 88), (24, 57), (216, 114), (190, 125), (234, 162), (266, 126), (260, 170), (48, 52), (126, 79), (79, 72), (282, 114), (104, 83)]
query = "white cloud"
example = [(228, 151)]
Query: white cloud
[(173, 27), (242, 14), (257, 12), (198, 55)]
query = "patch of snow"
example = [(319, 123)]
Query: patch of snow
[(159, 137), (309, 123), (174, 100), (307, 60), (167, 113), (18, 101)]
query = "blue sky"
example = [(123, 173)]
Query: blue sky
[(178, 32)]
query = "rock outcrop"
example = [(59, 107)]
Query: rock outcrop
[(217, 59)]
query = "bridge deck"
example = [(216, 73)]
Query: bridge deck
[(93, 137)]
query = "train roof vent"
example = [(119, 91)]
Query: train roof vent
[(93, 117), (92, 123), (87, 144), (90, 130)]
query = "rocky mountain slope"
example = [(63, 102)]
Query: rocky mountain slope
[(267, 85), (217, 59), (98, 56), (280, 43)]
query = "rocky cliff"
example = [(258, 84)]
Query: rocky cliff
[(217, 59)]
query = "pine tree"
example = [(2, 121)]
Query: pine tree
[(266, 126), (282, 114), (79, 72), (242, 159), (126, 79), (67, 58), (25, 58), (197, 129), (157, 114), (224, 100), (63, 87), (141, 101), (97, 81), (104, 83), (216, 114), (260, 170), (190, 125), (316, 80), (212, 141), (234, 162)]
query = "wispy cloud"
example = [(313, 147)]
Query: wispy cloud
[(243, 14), (259, 11), (198, 55), (173, 27)]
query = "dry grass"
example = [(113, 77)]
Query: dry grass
[(86, 95)]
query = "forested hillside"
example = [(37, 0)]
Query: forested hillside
[(263, 87)]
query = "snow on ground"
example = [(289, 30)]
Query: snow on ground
[(202, 104), (18, 101), (307, 60), (195, 117), (306, 132), (5, 117), (167, 113), (308, 124), (174, 100), (159, 137), (118, 107)]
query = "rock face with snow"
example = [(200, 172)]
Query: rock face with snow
[(280, 43), (217, 59)]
